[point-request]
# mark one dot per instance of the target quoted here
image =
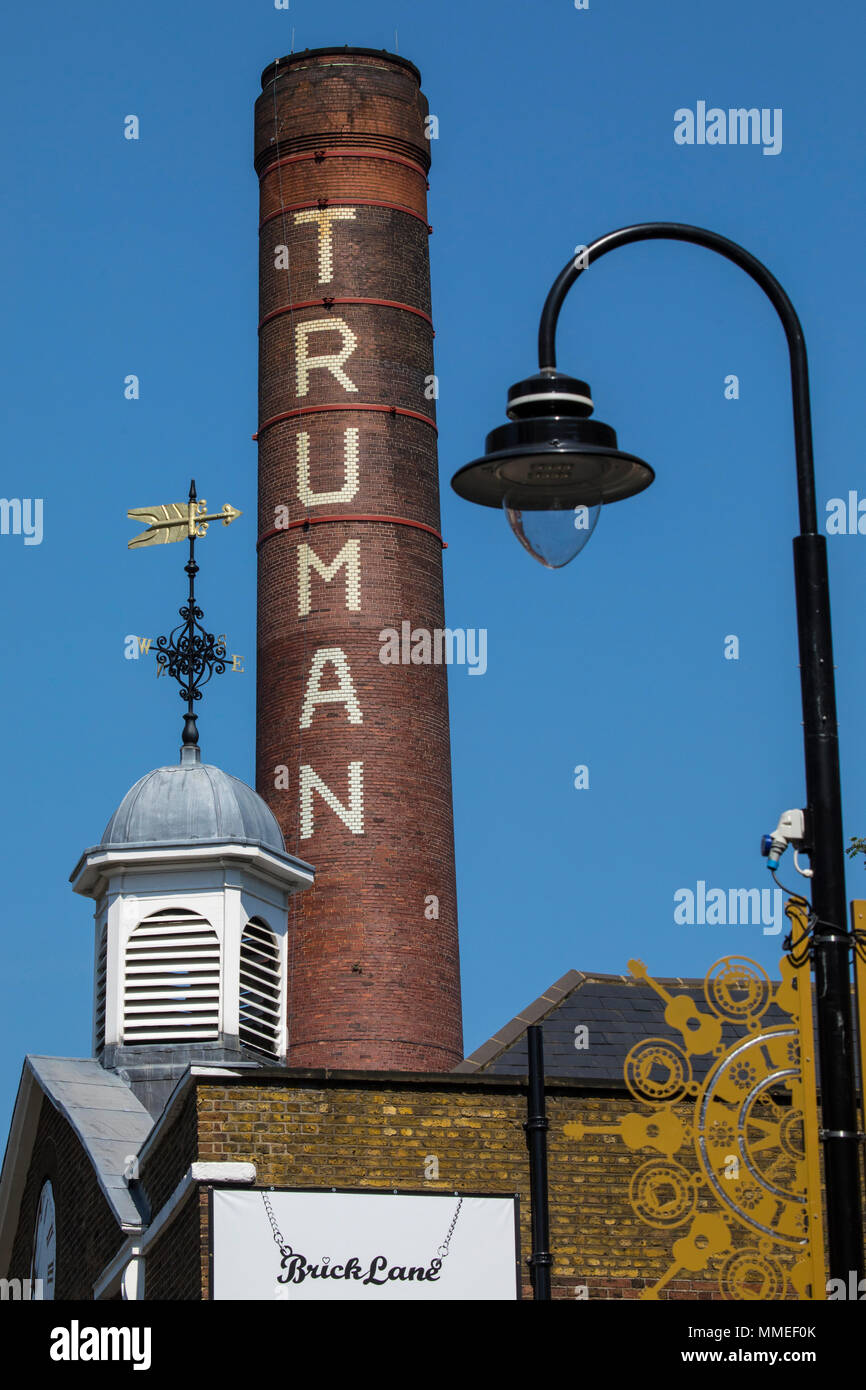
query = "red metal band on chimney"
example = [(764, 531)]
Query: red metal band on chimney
[(328, 300), (320, 155), (317, 409), (320, 520), (344, 202)]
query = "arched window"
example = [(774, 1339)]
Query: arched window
[(260, 989), (99, 1001), (171, 980)]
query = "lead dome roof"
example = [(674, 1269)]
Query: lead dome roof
[(191, 801)]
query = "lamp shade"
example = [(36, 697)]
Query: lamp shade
[(550, 455)]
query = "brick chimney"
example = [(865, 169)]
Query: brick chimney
[(353, 754)]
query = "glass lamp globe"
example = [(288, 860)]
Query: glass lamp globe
[(555, 535)]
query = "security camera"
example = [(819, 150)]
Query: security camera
[(791, 830)]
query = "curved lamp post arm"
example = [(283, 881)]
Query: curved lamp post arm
[(831, 939), (700, 236)]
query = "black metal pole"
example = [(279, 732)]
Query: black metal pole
[(190, 724), (831, 938), (540, 1260)]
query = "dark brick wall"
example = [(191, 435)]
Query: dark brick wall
[(87, 1231), (174, 1261), (373, 983), (166, 1163)]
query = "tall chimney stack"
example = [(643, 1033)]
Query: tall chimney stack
[(353, 752)]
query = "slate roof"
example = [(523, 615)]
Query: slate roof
[(618, 1011), (105, 1115)]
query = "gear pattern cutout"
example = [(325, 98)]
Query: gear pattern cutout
[(755, 1149)]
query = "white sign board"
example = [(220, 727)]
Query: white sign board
[(298, 1246)]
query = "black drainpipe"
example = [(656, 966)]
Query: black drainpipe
[(540, 1261)]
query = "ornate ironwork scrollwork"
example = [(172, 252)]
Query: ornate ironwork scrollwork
[(190, 654)]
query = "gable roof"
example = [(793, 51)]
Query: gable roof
[(618, 1012), (108, 1120)]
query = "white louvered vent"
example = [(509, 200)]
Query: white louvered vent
[(99, 1009), (260, 992), (171, 980)]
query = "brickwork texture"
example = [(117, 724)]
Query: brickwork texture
[(353, 755), (380, 1133), (87, 1231)]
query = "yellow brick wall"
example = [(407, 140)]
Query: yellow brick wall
[(355, 1133)]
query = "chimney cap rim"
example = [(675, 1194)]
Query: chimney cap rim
[(305, 54)]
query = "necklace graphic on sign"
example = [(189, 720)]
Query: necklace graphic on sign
[(295, 1267)]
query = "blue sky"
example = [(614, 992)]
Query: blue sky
[(556, 125)]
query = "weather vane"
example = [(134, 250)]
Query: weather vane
[(190, 654)]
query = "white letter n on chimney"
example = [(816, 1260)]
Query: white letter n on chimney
[(351, 816)]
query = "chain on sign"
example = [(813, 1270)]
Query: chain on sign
[(752, 1130), (379, 1270)]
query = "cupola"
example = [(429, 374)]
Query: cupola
[(192, 886)]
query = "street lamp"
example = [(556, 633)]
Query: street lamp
[(552, 468)]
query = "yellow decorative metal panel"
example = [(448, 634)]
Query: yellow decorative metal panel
[(756, 1152)]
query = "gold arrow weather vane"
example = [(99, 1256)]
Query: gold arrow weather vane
[(190, 654), (177, 521)]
